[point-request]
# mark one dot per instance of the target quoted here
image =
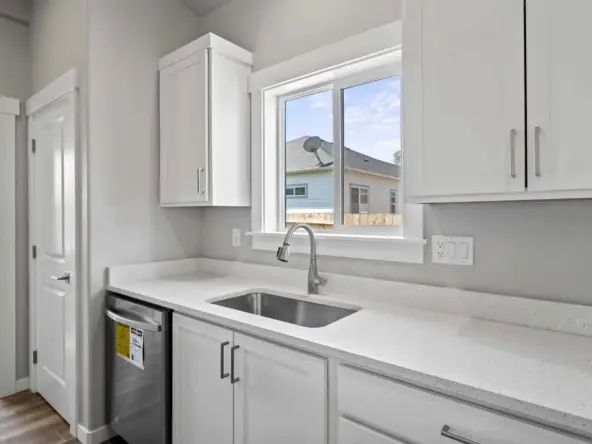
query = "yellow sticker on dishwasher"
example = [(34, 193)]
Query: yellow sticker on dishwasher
[(123, 341)]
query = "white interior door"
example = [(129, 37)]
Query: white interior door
[(53, 233), (559, 94)]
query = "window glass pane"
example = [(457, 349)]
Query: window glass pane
[(289, 191), (300, 191), (309, 160), (364, 198), (372, 139)]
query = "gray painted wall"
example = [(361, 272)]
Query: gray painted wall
[(15, 81), (277, 30), (58, 39), (532, 249), (127, 224), (19, 9)]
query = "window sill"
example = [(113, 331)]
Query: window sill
[(381, 248)]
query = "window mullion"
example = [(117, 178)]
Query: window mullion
[(281, 166), (338, 169)]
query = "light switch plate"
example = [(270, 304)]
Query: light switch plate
[(452, 250), (236, 237)]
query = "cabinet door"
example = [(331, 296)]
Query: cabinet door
[(202, 392), (559, 95), (281, 395), (463, 88), (184, 114)]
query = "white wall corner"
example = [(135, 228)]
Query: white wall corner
[(22, 385)]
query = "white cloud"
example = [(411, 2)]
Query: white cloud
[(319, 105), (319, 101), (383, 110)]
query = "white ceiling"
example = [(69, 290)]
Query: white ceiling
[(204, 7)]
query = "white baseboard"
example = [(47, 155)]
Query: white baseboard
[(96, 436), (22, 385)]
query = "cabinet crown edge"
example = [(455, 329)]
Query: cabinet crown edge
[(209, 40)]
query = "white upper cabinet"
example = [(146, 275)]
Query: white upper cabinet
[(463, 83), (183, 135), (204, 125), (559, 97), (468, 67)]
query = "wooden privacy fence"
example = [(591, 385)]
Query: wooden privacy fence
[(325, 220)]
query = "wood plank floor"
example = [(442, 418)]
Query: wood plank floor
[(25, 418)]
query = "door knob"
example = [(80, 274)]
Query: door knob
[(65, 278)]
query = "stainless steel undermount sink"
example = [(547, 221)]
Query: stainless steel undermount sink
[(294, 311)]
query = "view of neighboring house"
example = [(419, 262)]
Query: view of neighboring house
[(371, 185)]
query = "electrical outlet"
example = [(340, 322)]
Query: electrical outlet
[(236, 237), (452, 250), (438, 249)]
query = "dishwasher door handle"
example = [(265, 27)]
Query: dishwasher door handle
[(134, 323)]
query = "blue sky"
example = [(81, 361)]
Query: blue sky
[(372, 117)]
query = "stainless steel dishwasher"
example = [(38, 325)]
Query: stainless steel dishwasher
[(139, 378)]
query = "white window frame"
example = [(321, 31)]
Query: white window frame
[(369, 56)]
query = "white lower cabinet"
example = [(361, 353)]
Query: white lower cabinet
[(413, 415), (202, 399), (233, 388), (230, 388), (281, 396)]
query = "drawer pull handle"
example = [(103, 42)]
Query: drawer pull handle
[(446, 433), (513, 133), (223, 375), (537, 151), (233, 380)]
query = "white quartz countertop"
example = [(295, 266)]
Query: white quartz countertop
[(541, 375)]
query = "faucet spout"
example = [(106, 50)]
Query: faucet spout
[(314, 279)]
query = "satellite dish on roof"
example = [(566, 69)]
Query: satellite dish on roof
[(312, 145)]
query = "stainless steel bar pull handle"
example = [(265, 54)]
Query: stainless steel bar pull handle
[(232, 351), (537, 151), (64, 278), (513, 133), (222, 347), (132, 320), (200, 189), (446, 433)]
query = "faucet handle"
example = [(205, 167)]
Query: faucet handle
[(321, 281)]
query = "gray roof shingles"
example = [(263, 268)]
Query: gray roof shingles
[(297, 159)]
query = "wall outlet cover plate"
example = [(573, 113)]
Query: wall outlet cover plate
[(453, 250)]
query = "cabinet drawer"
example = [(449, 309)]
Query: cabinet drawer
[(416, 415), (352, 433)]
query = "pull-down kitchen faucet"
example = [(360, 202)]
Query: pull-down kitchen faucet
[(314, 280)]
